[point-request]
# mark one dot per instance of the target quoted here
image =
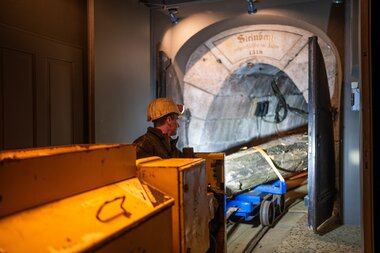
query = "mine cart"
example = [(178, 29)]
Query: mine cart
[(265, 201)]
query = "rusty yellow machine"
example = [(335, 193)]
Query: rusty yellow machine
[(197, 185), (184, 180), (98, 198)]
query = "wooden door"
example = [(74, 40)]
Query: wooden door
[(321, 163), (41, 90)]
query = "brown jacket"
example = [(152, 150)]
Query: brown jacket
[(153, 143)]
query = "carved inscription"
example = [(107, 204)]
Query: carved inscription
[(259, 43)]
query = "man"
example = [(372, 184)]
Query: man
[(157, 141)]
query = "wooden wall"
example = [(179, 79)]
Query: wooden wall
[(42, 59)]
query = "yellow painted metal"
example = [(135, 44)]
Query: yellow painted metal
[(214, 169), (216, 181), (123, 217), (185, 180), (31, 177)]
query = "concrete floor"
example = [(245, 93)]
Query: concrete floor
[(291, 234)]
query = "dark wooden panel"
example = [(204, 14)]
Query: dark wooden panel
[(56, 92), (62, 20), (17, 99), (321, 158), (60, 83)]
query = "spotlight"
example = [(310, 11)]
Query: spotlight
[(173, 18), (251, 7), (337, 1)]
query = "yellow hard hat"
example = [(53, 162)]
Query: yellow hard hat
[(161, 107)]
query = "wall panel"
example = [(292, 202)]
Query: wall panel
[(17, 98)]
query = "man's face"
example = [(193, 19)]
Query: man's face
[(172, 125)]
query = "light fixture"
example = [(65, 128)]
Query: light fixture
[(337, 1), (251, 7), (172, 14)]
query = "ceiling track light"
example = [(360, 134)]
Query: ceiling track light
[(172, 14), (251, 7)]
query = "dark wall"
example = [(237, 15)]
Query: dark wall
[(122, 70), (42, 72), (63, 20)]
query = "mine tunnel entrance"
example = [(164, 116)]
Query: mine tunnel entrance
[(257, 101), (257, 105), (236, 99)]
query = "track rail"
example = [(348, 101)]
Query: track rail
[(247, 244)]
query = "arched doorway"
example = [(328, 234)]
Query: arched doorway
[(233, 62)]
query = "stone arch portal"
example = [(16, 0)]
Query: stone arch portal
[(233, 73)]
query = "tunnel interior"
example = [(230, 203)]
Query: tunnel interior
[(255, 101)]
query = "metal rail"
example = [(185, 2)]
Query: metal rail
[(259, 231)]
